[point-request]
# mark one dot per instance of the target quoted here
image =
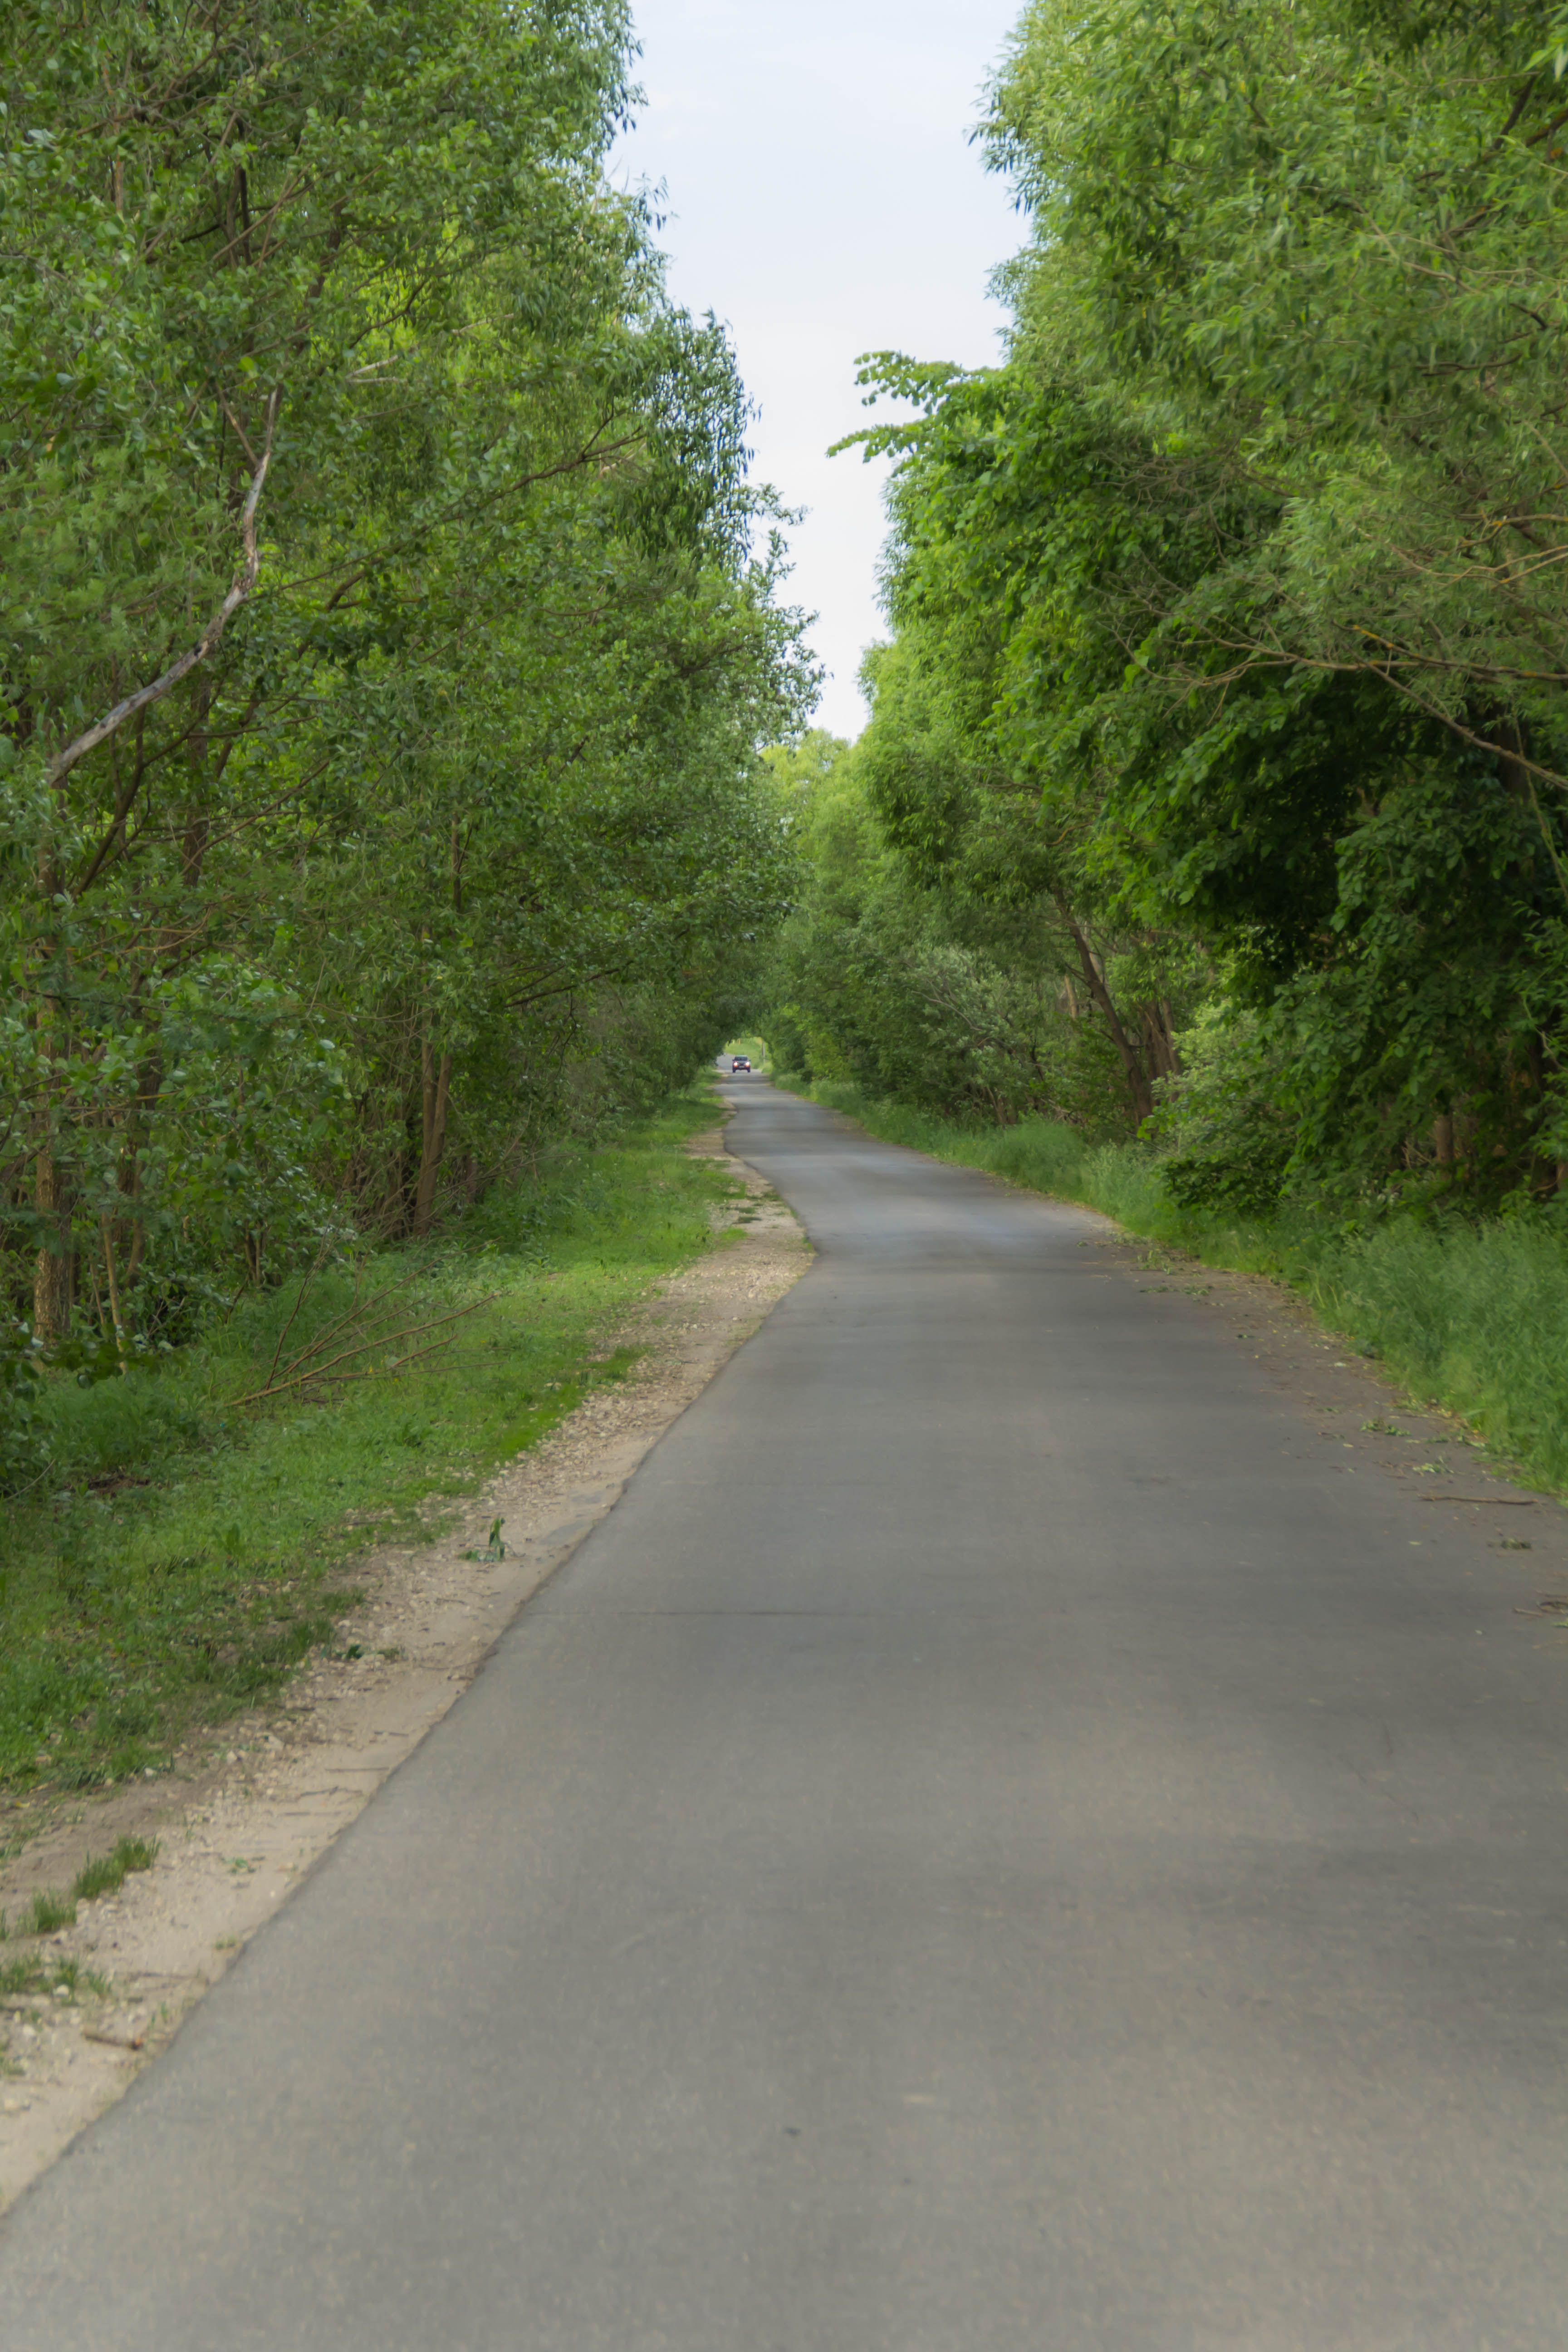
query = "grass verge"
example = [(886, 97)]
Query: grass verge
[(186, 1555), (1472, 1317)]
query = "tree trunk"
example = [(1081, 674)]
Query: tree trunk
[(129, 1228), (197, 825), (435, 1083), (1171, 1047), (1155, 1021), (54, 1281), (54, 1278), (1138, 1087)]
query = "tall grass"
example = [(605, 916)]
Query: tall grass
[(1470, 1316)]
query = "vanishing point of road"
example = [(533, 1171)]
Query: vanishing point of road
[(993, 1846)]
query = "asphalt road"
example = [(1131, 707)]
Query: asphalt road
[(991, 1847)]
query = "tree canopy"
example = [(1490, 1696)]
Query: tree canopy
[(391, 633), (1229, 613)]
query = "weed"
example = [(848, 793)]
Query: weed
[(106, 1874), (493, 1548), (20, 1978), (48, 1912)]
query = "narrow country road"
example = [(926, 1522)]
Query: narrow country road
[(991, 1847)]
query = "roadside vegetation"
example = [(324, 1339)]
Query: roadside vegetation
[(31, 1976), (184, 1554), (1205, 856), (392, 636), (49, 1911)]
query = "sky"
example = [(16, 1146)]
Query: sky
[(823, 200)]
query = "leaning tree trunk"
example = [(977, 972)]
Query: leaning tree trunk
[(1138, 1089)]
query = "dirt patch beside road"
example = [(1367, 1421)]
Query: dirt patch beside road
[(239, 1835)]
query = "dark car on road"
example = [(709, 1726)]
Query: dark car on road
[(740, 1062)]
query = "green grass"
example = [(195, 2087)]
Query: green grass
[(19, 1977), (106, 1874), (102, 1874), (185, 1556), (1471, 1317), (47, 1912)]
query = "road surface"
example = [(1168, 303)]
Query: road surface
[(993, 1846)]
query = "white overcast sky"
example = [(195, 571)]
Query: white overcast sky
[(823, 199)]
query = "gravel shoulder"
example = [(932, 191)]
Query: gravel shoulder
[(237, 1836)]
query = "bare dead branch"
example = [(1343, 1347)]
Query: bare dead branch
[(295, 1377)]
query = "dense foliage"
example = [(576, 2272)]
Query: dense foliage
[(1226, 709), (384, 656)]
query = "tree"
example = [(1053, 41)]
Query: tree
[(1243, 580), (384, 655)]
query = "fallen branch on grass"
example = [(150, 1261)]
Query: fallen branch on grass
[(311, 1366)]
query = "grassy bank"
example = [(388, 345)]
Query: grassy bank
[(186, 1552), (1471, 1317)]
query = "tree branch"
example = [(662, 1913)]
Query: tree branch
[(245, 581)]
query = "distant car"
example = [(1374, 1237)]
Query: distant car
[(740, 1062)]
